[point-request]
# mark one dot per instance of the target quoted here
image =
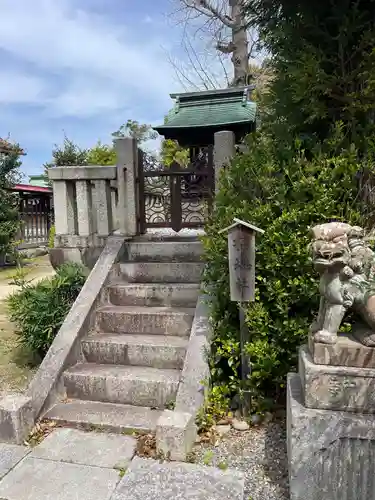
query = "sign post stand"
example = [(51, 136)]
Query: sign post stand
[(241, 259)]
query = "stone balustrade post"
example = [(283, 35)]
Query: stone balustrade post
[(64, 204), (83, 212), (84, 207), (224, 150), (104, 208), (127, 165)]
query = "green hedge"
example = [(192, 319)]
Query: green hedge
[(38, 310), (284, 193)]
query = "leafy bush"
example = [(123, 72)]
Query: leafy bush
[(51, 237), (38, 310), (284, 193), (9, 214)]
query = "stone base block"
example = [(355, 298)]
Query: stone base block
[(346, 352), (336, 387), (85, 256), (176, 433), (331, 454), (16, 418)]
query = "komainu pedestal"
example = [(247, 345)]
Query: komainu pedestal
[(331, 401), (331, 453)]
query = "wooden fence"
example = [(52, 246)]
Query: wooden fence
[(36, 214)]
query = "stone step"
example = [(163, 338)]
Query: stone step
[(132, 385), (109, 417), (153, 294), (163, 251), (151, 479), (162, 272), (150, 320), (158, 351)]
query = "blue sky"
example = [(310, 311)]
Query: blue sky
[(82, 67)]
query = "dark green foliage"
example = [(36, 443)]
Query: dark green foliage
[(322, 54), (67, 154), (9, 215), (308, 165), (38, 310), (51, 237), (283, 193)]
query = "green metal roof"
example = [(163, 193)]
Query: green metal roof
[(38, 180), (210, 109)]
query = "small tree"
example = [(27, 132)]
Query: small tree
[(171, 151), (67, 154), (9, 213), (101, 154), (140, 131)]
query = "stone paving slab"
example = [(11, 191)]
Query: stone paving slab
[(87, 448), (37, 479), (10, 455), (151, 480)]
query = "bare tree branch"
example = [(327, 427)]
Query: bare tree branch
[(212, 30), (206, 8), (191, 50)]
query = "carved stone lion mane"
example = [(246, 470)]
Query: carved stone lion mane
[(346, 265)]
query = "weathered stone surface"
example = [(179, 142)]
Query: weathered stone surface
[(84, 215), (224, 150), (10, 455), (240, 425), (151, 480), (127, 166), (65, 346), (176, 433), (35, 479), (90, 172), (162, 272), (154, 294), (331, 454), (158, 351), (222, 429), (87, 448), (167, 251), (344, 260), (155, 320), (346, 352), (336, 388), (190, 394), (16, 418), (135, 385), (63, 197), (106, 416)]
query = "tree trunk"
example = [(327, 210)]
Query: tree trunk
[(240, 54)]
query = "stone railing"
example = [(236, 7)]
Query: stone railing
[(93, 202), (84, 199)]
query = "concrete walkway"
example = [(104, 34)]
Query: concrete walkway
[(75, 465)]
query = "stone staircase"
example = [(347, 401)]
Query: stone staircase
[(132, 360)]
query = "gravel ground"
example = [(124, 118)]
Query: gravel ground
[(260, 453)]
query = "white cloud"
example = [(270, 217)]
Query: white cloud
[(105, 67), (18, 87)]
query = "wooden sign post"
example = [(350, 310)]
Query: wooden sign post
[(241, 259)]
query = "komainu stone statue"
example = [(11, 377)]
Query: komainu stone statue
[(346, 265)]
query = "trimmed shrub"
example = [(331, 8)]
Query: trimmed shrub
[(51, 237), (284, 193), (38, 310)]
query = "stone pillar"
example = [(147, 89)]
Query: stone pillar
[(127, 164), (84, 208), (331, 422), (65, 208), (224, 150), (104, 207)]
